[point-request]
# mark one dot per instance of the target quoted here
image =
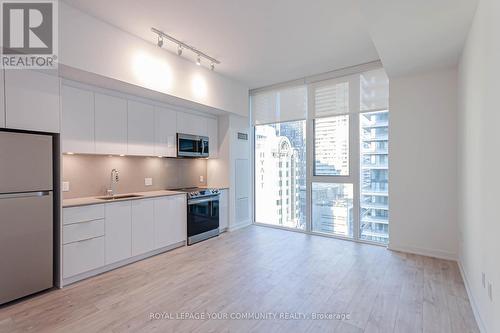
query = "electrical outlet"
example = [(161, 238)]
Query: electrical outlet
[(148, 181), (65, 186), (490, 291), (484, 279), (202, 179)]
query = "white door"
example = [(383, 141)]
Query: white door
[(32, 100), (143, 226), (77, 130), (213, 137), (118, 231), (170, 220), (2, 96), (223, 210), (165, 132), (141, 129), (110, 124), (188, 123)]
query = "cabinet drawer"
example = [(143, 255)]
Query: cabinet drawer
[(84, 230), (83, 256), (83, 214)]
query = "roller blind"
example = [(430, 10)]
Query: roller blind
[(279, 105), (374, 90), (331, 98)]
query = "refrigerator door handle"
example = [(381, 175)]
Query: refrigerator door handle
[(24, 194)]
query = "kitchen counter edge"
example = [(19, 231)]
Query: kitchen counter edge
[(87, 201)]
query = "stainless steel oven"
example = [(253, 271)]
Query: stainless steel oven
[(192, 145), (203, 218)]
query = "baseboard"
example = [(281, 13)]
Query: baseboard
[(239, 225), (472, 301), (425, 252)]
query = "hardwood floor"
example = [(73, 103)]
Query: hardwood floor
[(259, 270)]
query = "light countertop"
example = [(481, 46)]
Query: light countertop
[(84, 201)]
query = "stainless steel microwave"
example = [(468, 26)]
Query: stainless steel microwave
[(192, 145)]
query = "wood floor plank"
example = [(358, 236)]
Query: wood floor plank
[(253, 271)]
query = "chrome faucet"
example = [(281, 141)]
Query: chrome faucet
[(114, 179)]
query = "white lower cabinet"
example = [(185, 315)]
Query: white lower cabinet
[(170, 220), (83, 256), (118, 231), (98, 235), (223, 210), (143, 226)]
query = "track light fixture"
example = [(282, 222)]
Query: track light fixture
[(181, 46)]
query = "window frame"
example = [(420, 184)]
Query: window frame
[(354, 177)]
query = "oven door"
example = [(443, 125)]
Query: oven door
[(203, 218)]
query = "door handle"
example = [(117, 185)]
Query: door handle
[(24, 194)]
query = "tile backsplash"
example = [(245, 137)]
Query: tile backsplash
[(89, 175)]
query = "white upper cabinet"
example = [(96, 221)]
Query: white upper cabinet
[(77, 130), (2, 95), (165, 132), (213, 138), (188, 123), (170, 220), (110, 124), (32, 101), (143, 226), (118, 230), (141, 129)]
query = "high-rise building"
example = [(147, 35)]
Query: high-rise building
[(374, 203), (277, 178)]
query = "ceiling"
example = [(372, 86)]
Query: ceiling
[(414, 36), (258, 42), (262, 42)]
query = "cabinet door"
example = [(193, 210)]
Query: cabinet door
[(165, 132), (213, 138), (141, 129), (223, 210), (143, 227), (83, 256), (118, 231), (77, 130), (2, 95), (188, 123), (170, 220), (32, 101), (110, 125)]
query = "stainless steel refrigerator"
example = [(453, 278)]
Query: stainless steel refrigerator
[(26, 214)]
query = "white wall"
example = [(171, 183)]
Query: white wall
[(479, 184), (224, 170), (423, 170), (94, 46)]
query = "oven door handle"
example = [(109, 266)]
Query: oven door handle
[(201, 200)]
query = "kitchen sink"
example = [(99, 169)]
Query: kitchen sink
[(122, 196)]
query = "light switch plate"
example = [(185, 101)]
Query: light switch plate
[(148, 181), (65, 186), (202, 179)]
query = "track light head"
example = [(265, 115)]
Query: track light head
[(179, 49), (198, 60), (160, 41), (212, 66)]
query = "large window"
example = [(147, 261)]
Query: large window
[(280, 174), (340, 186)]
